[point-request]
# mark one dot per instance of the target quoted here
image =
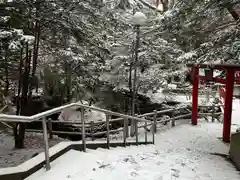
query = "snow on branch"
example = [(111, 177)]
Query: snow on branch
[(150, 6)]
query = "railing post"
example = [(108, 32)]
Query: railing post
[(173, 121), (92, 130), (195, 72), (125, 120), (132, 128), (136, 131), (107, 126), (50, 128), (145, 132), (83, 129), (126, 126), (153, 133), (46, 147), (155, 121), (213, 109)]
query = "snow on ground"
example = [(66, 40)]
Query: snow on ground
[(183, 153), (10, 157), (159, 97)]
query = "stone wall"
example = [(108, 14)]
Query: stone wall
[(235, 149)]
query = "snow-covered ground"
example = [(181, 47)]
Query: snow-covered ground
[(184, 153), (181, 98), (10, 157)]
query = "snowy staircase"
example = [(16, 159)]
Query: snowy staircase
[(141, 126)]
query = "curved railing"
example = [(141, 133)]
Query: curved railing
[(42, 116), (149, 119)]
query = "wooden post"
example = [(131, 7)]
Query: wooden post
[(125, 120), (213, 109), (136, 131), (132, 128), (83, 130), (92, 130), (155, 121), (50, 128), (228, 105), (173, 121), (195, 72), (145, 132), (107, 126), (46, 146), (153, 133)]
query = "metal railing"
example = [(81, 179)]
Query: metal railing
[(149, 119), (42, 116)]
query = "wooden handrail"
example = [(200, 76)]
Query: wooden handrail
[(42, 116), (26, 119), (152, 113)]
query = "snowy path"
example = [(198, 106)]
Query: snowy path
[(182, 153)]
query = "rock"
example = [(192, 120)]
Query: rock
[(238, 130)]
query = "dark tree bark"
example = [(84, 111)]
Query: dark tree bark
[(37, 33), (20, 127), (6, 69), (165, 5), (19, 83), (68, 77), (233, 13), (231, 9)]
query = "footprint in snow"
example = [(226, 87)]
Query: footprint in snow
[(175, 173)]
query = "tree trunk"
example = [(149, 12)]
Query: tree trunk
[(19, 83), (165, 5), (6, 69), (16, 126), (35, 51), (232, 11), (130, 86), (93, 90), (68, 77), (171, 4), (20, 127)]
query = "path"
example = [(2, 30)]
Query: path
[(182, 153)]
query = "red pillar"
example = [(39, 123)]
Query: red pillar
[(228, 105), (195, 79)]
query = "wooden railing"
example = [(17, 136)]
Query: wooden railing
[(42, 116), (149, 119)]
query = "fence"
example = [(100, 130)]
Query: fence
[(149, 119)]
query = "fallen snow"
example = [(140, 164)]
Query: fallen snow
[(182, 153), (10, 157), (72, 114)]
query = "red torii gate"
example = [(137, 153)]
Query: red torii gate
[(229, 82)]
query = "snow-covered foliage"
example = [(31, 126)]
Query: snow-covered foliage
[(205, 30), (94, 39)]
